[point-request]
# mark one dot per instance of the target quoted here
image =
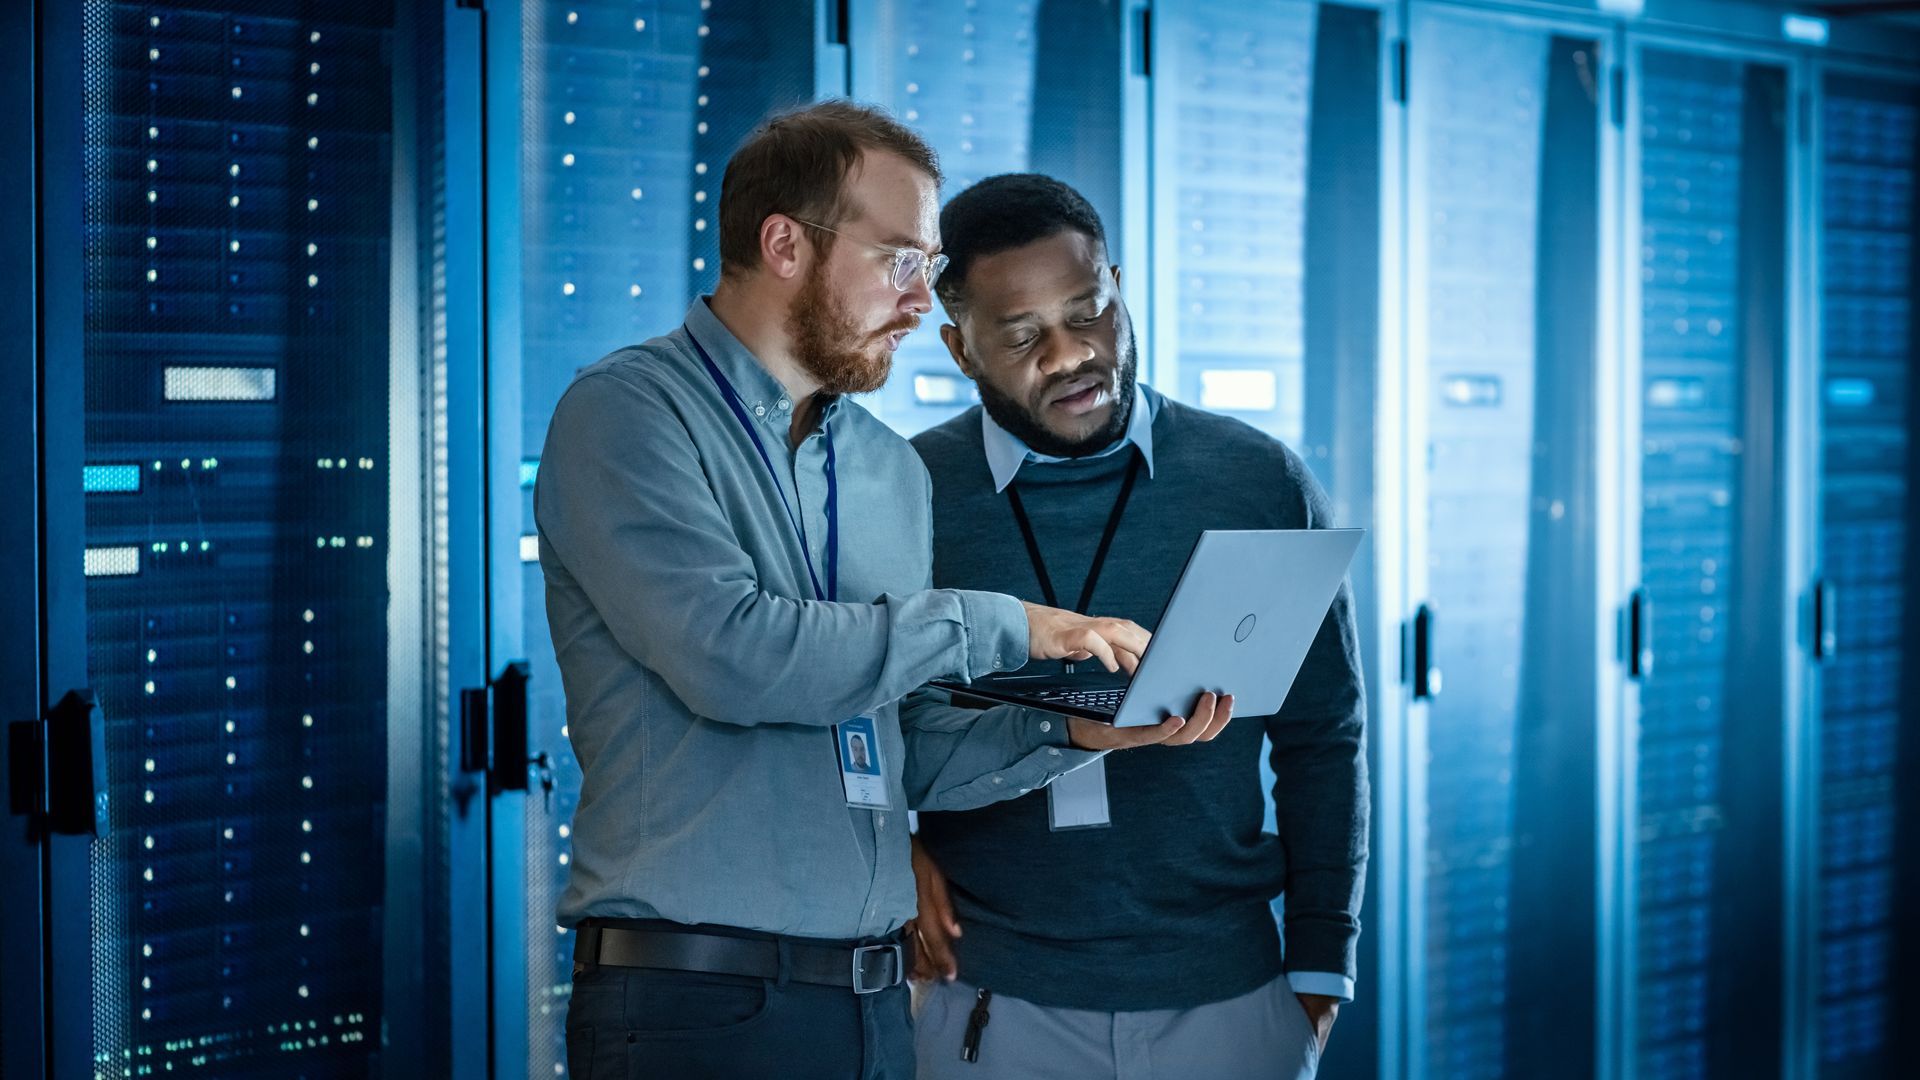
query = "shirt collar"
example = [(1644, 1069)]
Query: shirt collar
[(1006, 453), (765, 399)]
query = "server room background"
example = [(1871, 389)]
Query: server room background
[(1598, 317)]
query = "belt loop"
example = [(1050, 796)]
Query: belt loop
[(784, 963), (586, 948)]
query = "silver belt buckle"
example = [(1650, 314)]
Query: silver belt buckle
[(861, 985)]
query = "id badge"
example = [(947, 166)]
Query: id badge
[(1078, 800), (862, 773)]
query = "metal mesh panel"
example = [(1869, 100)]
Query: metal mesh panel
[(109, 878)]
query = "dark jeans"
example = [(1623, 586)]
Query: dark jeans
[(634, 1023)]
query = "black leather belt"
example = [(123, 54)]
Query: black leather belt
[(864, 969)]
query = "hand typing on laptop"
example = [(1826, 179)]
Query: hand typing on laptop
[(1057, 634)]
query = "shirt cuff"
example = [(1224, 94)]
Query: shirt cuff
[(1046, 751), (1325, 983), (995, 629), (1056, 731)]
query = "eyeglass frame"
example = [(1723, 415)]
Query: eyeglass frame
[(931, 268)]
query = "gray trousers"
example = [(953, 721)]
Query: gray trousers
[(1262, 1034)]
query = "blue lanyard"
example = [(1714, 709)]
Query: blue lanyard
[(832, 591)]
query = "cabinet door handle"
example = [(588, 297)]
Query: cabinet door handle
[(1426, 676), (58, 768), (1826, 621), (1639, 634)]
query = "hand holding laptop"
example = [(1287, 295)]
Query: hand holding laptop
[(1208, 718)]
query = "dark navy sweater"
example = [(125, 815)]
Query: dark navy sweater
[(1170, 907)]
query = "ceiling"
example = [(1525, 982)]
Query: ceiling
[(1902, 12)]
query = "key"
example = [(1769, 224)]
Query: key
[(976, 1023)]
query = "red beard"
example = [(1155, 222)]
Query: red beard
[(829, 345)]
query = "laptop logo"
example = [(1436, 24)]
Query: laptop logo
[(1244, 630)]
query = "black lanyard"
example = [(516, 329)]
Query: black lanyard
[(1099, 556), (832, 590)]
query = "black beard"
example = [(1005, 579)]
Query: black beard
[(1017, 421)]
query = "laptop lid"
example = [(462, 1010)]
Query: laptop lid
[(1243, 616)]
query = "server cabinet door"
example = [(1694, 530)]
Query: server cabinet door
[(610, 129), (41, 645), (1861, 624), (1709, 135), (1502, 659), (995, 86), (1265, 290), (253, 905)]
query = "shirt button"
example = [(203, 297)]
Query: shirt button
[(1046, 726), (880, 820), (759, 410), (999, 779), (785, 404), (1026, 791), (1055, 751)]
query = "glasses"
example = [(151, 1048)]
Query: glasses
[(907, 261)]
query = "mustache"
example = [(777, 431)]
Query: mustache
[(907, 323), (1091, 367)]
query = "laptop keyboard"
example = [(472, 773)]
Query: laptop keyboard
[(1100, 701)]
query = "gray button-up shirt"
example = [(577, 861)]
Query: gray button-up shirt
[(702, 676)]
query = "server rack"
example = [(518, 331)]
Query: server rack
[(1709, 197), (1507, 129), (1858, 620), (224, 322), (1754, 882)]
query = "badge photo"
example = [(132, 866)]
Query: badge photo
[(862, 773)]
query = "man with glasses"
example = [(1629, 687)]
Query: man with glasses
[(738, 571), (1118, 923)]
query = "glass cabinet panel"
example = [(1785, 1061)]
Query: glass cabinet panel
[(1711, 140), (1504, 234)]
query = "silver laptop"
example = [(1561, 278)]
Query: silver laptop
[(1242, 617)]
